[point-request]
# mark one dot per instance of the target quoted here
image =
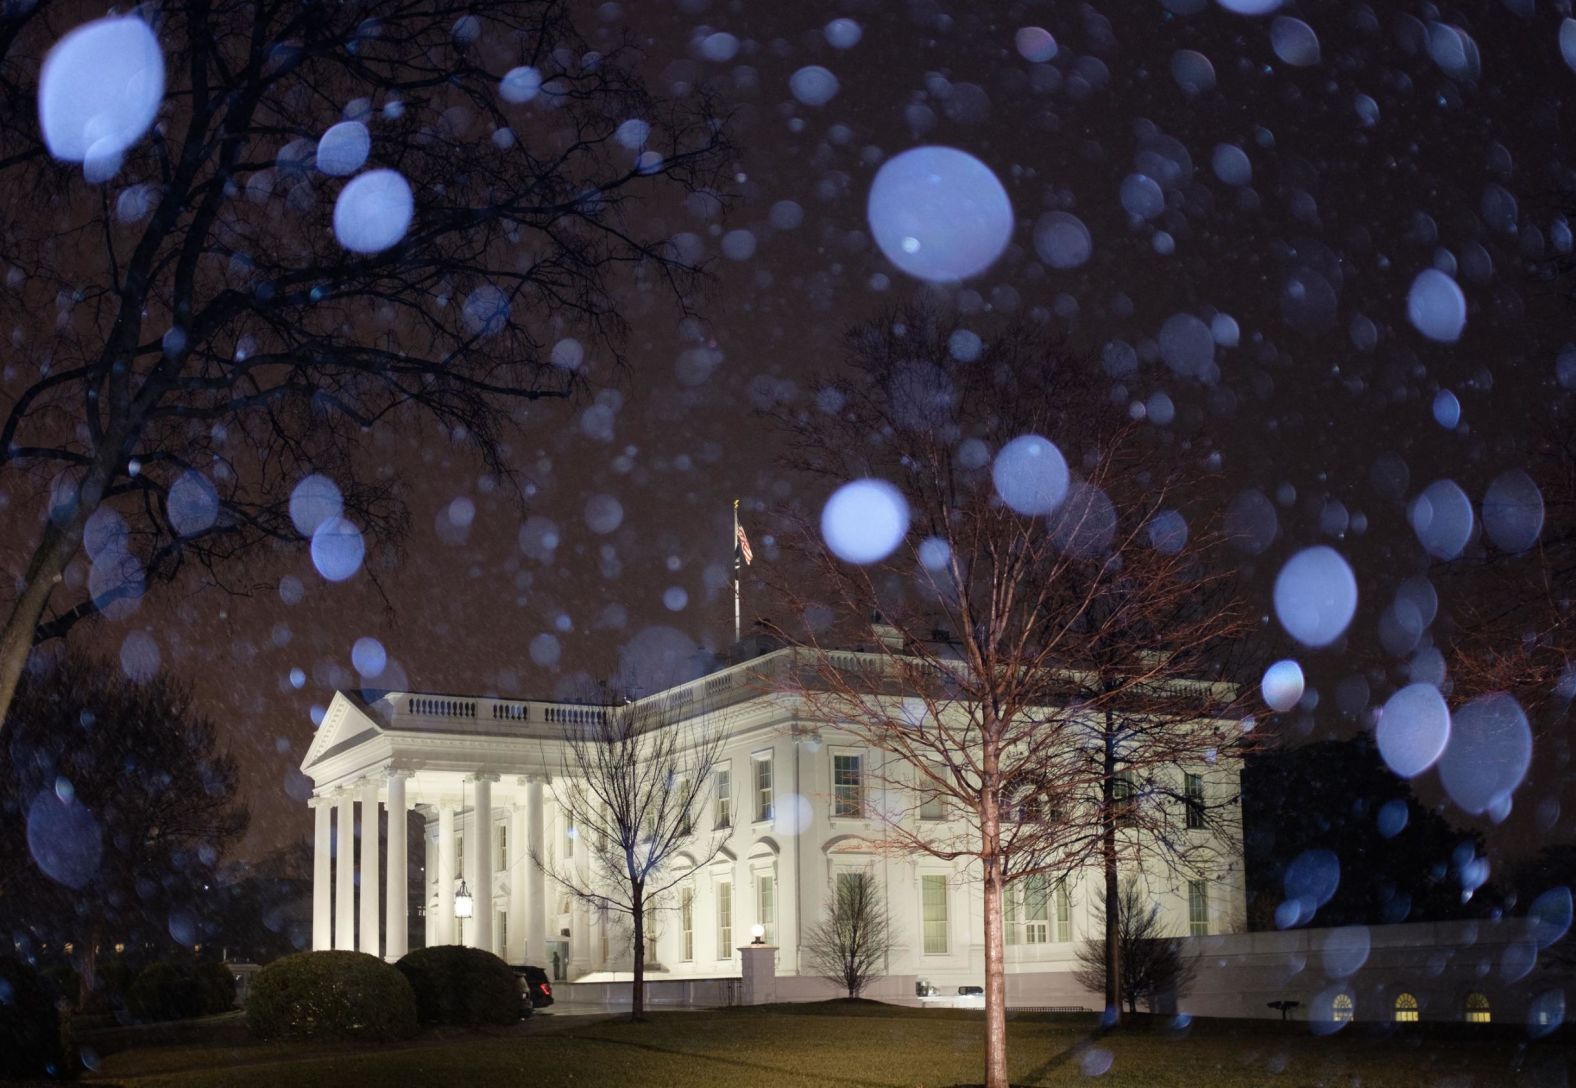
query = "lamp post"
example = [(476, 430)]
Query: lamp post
[(757, 934), (464, 903)]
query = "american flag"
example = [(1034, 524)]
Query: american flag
[(742, 550)]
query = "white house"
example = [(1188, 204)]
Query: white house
[(478, 771)]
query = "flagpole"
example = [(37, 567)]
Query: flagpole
[(736, 558)]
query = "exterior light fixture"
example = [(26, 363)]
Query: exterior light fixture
[(757, 934), (464, 904)]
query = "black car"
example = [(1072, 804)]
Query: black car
[(536, 992)]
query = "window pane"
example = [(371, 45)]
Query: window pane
[(765, 905), (1193, 791), (1197, 908), (687, 922), (933, 895), (503, 847), (763, 789), (724, 798), (724, 921), (847, 786)]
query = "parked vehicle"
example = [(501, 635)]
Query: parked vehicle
[(536, 992)]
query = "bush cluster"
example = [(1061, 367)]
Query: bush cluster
[(331, 994), (30, 1039), (168, 991), (464, 986)]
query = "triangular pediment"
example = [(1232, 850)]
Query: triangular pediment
[(345, 724)]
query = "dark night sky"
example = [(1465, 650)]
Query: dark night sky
[(1338, 219)]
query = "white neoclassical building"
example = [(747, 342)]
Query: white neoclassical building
[(478, 773)]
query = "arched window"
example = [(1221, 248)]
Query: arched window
[(1477, 1010), (1405, 1009), (1341, 1008)]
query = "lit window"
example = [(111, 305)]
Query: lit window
[(847, 786), (933, 898), (933, 807), (1477, 1010), (1193, 793), (1011, 916), (1341, 1008), (687, 922), (1036, 911), (1124, 794), (763, 788), (1405, 1008), (686, 817), (725, 920), (766, 905), (1197, 908), (722, 804)]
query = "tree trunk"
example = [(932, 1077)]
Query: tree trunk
[(87, 967), (49, 562), (50, 559), (995, 954), (637, 999), (1113, 898)]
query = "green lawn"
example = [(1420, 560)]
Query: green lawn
[(861, 1047)]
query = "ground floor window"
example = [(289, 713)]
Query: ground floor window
[(1341, 1008), (1197, 908), (501, 930), (1477, 1009), (933, 902), (725, 920), (766, 906), (1405, 1008), (687, 922)]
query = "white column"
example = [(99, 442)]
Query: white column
[(369, 868), (345, 875), (483, 889), (396, 927), (516, 951), (535, 881), (445, 920), (322, 874)]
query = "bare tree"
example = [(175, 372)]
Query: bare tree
[(850, 945), (632, 786), (191, 339), (1032, 675), (1153, 961)]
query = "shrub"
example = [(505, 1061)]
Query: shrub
[(339, 994), (30, 1039), (215, 987), (457, 985), (162, 991)]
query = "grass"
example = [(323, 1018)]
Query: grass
[(864, 1045)]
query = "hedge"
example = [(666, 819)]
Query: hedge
[(458, 985), (331, 994), (30, 1038)]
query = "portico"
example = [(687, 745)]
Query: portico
[(477, 774)]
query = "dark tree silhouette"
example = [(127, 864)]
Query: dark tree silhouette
[(191, 338), (849, 945), (1327, 796), (116, 805), (1154, 962), (1074, 681), (633, 783)]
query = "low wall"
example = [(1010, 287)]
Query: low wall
[(1439, 965), (1355, 972)]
